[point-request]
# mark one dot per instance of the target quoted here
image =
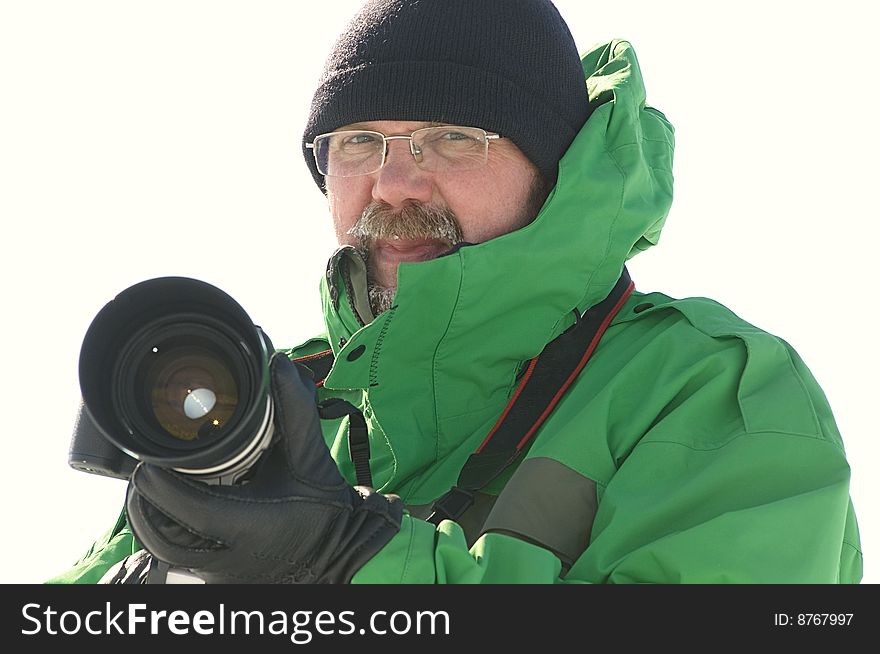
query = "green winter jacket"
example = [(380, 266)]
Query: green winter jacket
[(692, 448)]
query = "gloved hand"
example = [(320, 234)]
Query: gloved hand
[(295, 521)]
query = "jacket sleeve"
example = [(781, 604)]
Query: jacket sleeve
[(423, 554), (112, 547), (764, 508)]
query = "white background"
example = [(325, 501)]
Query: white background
[(141, 139)]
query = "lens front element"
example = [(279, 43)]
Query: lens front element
[(183, 384)]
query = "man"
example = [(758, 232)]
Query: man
[(531, 417)]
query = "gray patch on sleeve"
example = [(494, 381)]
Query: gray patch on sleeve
[(548, 504)]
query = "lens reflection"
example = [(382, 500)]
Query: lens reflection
[(199, 403), (190, 389)]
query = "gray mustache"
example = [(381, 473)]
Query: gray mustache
[(413, 221)]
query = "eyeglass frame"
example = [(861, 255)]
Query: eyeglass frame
[(488, 136)]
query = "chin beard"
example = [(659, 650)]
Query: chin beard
[(381, 298)]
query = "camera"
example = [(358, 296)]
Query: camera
[(173, 372)]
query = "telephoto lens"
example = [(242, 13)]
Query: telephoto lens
[(174, 372)]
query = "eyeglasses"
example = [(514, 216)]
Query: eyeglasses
[(349, 153)]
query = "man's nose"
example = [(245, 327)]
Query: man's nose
[(401, 181)]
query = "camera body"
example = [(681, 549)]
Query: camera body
[(91, 451), (173, 372)]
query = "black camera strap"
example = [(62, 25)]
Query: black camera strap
[(334, 408), (545, 380), (358, 436)]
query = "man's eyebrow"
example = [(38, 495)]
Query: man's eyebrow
[(352, 126)]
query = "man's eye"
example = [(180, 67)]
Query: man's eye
[(360, 139), (453, 135)]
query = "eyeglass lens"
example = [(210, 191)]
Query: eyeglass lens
[(437, 149)]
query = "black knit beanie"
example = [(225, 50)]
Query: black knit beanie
[(508, 66)]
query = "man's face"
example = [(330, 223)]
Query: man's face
[(433, 210)]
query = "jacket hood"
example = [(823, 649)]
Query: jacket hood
[(439, 366)]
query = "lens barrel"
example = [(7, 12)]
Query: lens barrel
[(174, 372)]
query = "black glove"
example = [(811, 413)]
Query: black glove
[(295, 521)]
